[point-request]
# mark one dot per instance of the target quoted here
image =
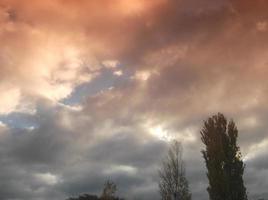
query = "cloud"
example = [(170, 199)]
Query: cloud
[(165, 65)]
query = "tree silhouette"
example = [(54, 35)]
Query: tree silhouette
[(173, 183), (223, 159), (109, 191)]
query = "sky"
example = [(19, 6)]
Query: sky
[(96, 89)]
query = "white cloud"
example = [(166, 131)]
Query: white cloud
[(10, 98), (158, 131), (110, 64), (118, 73), (120, 169), (256, 150), (47, 178), (142, 75)]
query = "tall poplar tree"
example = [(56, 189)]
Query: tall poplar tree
[(223, 159)]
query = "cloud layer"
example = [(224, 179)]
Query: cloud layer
[(95, 89)]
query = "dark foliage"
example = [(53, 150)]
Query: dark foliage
[(223, 159)]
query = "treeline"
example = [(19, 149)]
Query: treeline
[(108, 193), (223, 161)]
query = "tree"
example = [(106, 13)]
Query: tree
[(223, 159), (173, 183), (109, 191)]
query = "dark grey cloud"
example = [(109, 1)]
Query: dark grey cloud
[(181, 62)]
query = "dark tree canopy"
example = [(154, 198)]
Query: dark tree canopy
[(223, 159)]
